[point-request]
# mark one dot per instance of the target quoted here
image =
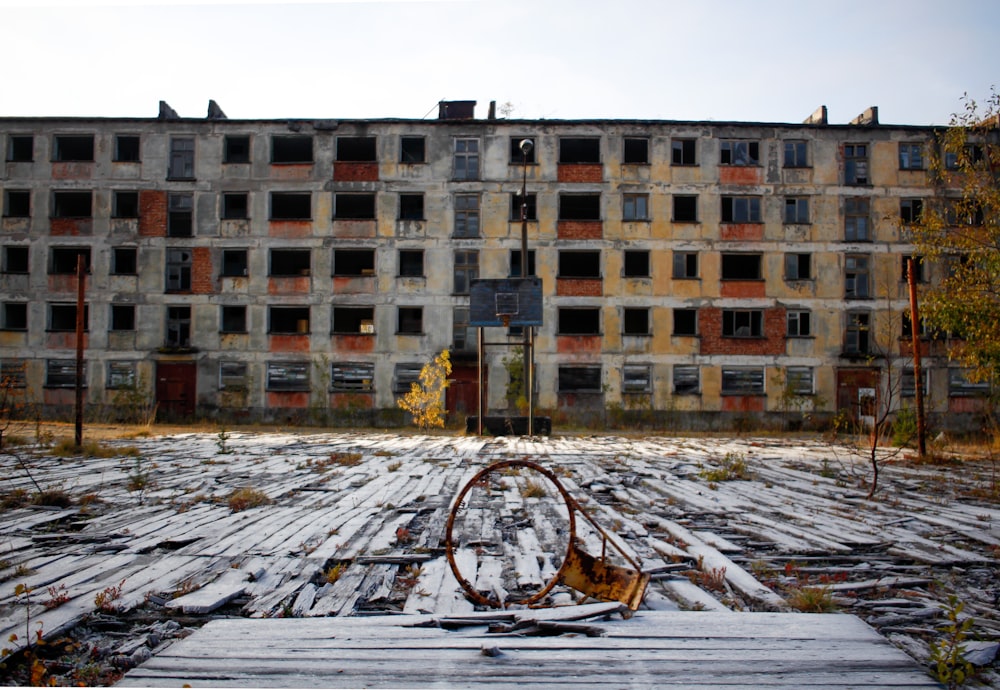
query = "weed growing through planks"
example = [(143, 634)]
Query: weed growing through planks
[(67, 448), (247, 497), (384, 454), (57, 597), (733, 466), (140, 480), (107, 599), (811, 599), (533, 489), (346, 459), (403, 536), (333, 573), (38, 673), (394, 466), (949, 665), (410, 576), (222, 441)]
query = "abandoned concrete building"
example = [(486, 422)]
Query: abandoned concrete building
[(301, 269)]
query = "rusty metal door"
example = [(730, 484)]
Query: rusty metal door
[(851, 383), (462, 396), (176, 389)]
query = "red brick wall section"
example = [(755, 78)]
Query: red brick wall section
[(742, 288), (72, 171), (355, 172), (743, 403), (578, 344), (354, 343), (72, 227), (287, 399), (292, 171), (288, 343), (579, 287), (289, 285), (581, 172), (153, 213), (290, 228), (742, 231), (712, 342), (580, 229), (202, 282), (740, 174), (347, 401)]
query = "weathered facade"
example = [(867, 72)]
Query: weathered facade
[(705, 272)]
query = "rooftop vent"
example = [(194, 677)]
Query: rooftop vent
[(869, 117), (456, 110), (167, 113), (215, 112)]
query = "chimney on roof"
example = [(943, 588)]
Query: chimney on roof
[(215, 112), (168, 113), (819, 117), (869, 117), (456, 110)]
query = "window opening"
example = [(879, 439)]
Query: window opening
[(127, 148), (798, 266), (515, 263), (856, 164), (124, 261), (291, 206), (466, 270), (635, 207), (579, 207), (356, 149), (411, 263), (233, 376), (236, 149), (353, 262), (13, 372), (795, 154), (799, 323), (353, 320), (682, 152), (580, 264), (178, 270), (180, 215), (62, 317), (635, 321), (741, 267), (579, 321), (685, 265), (579, 150), (466, 159), (743, 380), (288, 376), (121, 375), (411, 206), (16, 203), (531, 210), (125, 204), (796, 210), (741, 209), (290, 262), (911, 157), (71, 204), (636, 263), (856, 276), (15, 316), (636, 378), (636, 150), (856, 336), (412, 150), (686, 380), (75, 147), (742, 323), (21, 149), (234, 319), (354, 207), (517, 156), (15, 260), (574, 379), (404, 375), (466, 215), (63, 260), (799, 380), (685, 208), (292, 149), (61, 373), (856, 220), (737, 152), (122, 317), (911, 210), (181, 159), (410, 320), (288, 320), (235, 262), (352, 376), (235, 206)]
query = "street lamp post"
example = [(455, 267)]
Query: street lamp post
[(526, 145)]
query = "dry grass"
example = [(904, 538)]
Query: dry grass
[(247, 497)]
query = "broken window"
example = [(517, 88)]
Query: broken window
[(685, 208), (741, 209), (742, 323), (288, 376), (354, 206), (911, 210), (288, 320), (530, 207), (741, 267), (798, 323), (15, 316), (796, 152), (636, 378), (236, 148), (13, 373), (411, 206), (579, 150), (466, 159), (179, 270), (235, 262), (635, 321), (233, 376), (296, 148), (411, 263), (21, 148), (124, 261), (353, 262), (579, 321), (61, 373), (181, 159), (739, 152), (580, 379), (686, 379), (180, 214), (908, 382), (236, 205), (970, 155), (580, 263), (906, 329), (404, 376), (66, 204), (463, 335), (515, 263), (125, 204), (743, 380), (290, 262), (291, 206), (15, 259), (857, 276), (636, 151), (918, 268), (856, 332), (960, 385), (796, 209), (352, 376), (798, 266), (356, 149), (519, 157), (410, 320), (62, 260), (856, 164), (233, 319), (685, 265), (122, 317), (121, 375), (856, 223), (682, 152), (351, 320), (635, 207), (636, 263), (799, 380), (126, 148), (17, 203), (466, 215), (412, 150), (62, 317), (911, 157), (466, 270), (579, 207), (73, 147)]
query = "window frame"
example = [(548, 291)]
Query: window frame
[(352, 377), (287, 376), (798, 323), (589, 377), (736, 320), (121, 374), (129, 256), (795, 153), (742, 380), (409, 320), (61, 373), (741, 209), (635, 207), (739, 152), (629, 327), (466, 154), (637, 379), (684, 374), (686, 154)]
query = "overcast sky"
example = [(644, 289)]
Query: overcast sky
[(764, 61)]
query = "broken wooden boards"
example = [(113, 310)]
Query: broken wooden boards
[(652, 649)]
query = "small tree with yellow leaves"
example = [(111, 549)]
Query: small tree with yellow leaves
[(426, 399)]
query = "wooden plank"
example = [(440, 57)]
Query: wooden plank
[(215, 594)]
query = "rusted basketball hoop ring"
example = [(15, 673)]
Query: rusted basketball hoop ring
[(571, 506)]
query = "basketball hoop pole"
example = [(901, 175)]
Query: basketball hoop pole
[(526, 145)]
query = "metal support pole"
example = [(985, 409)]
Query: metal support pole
[(526, 145), (80, 306), (911, 281), (481, 347)]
